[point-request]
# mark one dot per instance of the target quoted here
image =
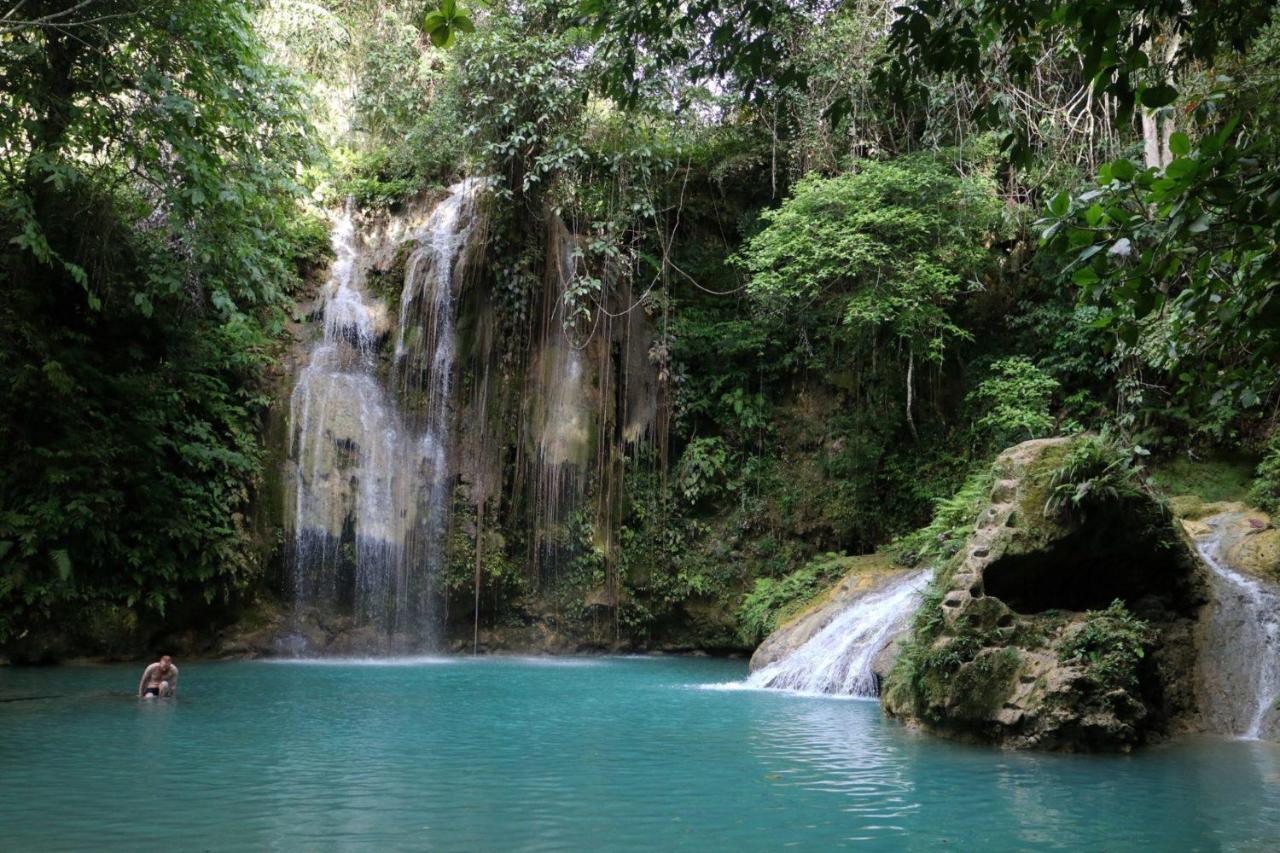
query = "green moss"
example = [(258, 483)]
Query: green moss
[(388, 285), (979, 688), (1225, 477), (774, 601), (961, 676), (1037, 482)]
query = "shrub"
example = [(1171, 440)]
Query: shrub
[(1015, 399), (1110, 644), (772, 600), (1266, 488)]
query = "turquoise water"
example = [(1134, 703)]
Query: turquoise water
[(567, 754)]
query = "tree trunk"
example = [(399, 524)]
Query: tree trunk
[(911, 369)]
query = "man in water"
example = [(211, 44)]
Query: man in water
[(159, 679)]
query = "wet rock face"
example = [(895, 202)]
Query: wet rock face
[(1016, 643), (1238, 669)]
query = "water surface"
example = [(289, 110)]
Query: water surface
[(568, 754)]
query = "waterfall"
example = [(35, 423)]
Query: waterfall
[(1240, 653), (838, 659), (370, 456), (564, 405)]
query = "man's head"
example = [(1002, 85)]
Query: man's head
[(166, 661)]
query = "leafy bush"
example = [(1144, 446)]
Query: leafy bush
[(1266, 488), (772, 600), (875, 257), (1110, 644), (702, 470), (1015, 399)]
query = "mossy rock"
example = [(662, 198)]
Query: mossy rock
[(981, 663)]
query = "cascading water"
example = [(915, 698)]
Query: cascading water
[(1240, 656), (838, 659), (425, 367), (371, 478), (563, 408)]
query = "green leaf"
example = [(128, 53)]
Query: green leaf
[(62, 562), (1180, 144), (442, 37), (461, 23), (1160, 95), (1085, 276), (1060, 204), (1123, 170), (1144, 302)]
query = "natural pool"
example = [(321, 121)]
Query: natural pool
[(579, 753)]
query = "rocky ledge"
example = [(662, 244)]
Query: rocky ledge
[(1061, 624)]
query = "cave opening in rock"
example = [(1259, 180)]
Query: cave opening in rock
[(1090, 568)]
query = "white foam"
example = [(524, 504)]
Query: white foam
[(749, 687)]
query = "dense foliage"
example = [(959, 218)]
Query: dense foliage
[(148, 189)]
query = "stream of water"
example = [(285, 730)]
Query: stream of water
[(568, 754), (838, 659), (1240, 658)]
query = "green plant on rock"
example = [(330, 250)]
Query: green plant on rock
[(957, 677), (1110, 645), (1095, 473), (772, 600), (953, 521)]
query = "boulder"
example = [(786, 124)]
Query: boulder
[(1055, 630)]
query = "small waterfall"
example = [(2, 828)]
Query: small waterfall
[(1240, 654), (371, 478), (565, 396), (838, 658)]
